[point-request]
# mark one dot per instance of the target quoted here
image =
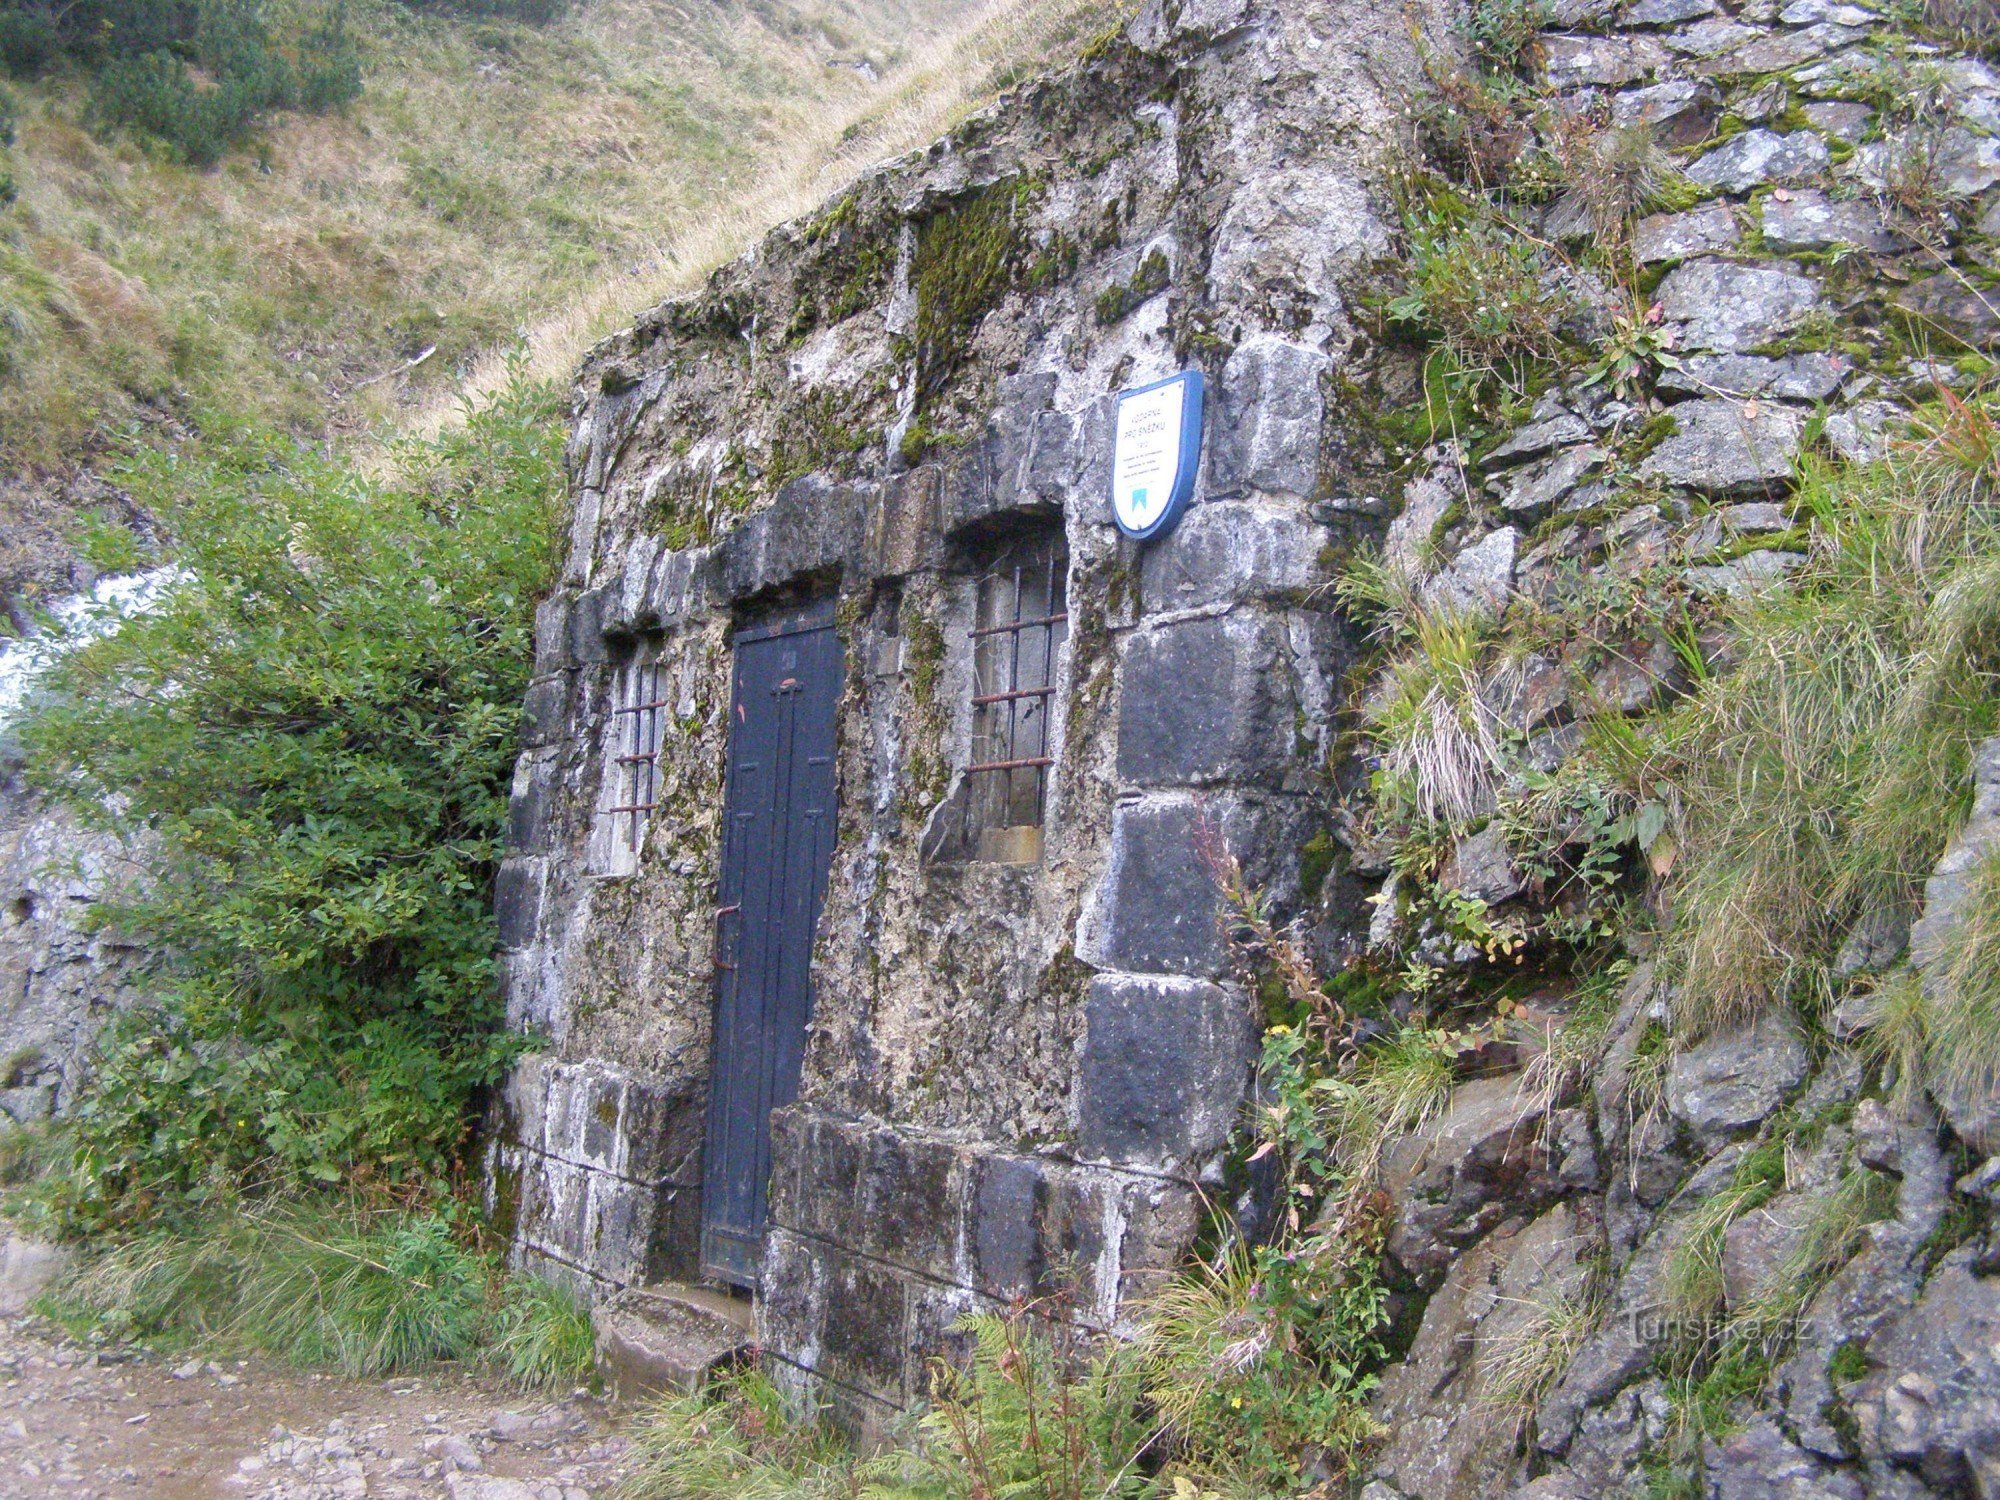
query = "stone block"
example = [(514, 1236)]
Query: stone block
[(1811, 376), (865, 1339), (532, 802), (1603, 61), (1229, 551), (1809, 220), (1946, 302), (667, 1340), (677, 583), (552, 634), (1731, 309), (1205, 701), (1699, 231), (586, 629), (903, 525), (545, 711), (817, 1169), (1166, 1063), (1268, 415), (627, 602), (811, 528), (1158, 907), (1530, 491), (1679, 112), (524, 1101), (517, 899), (1761, 158), (1008, 1198), (1728, 447), (909, 1207)]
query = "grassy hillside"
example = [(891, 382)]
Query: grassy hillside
[(495, 184)]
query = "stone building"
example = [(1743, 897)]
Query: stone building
[(861, 880), (860, 873)]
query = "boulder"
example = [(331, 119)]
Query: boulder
[(1482, 866), (1730, 1082), (1481, 1161), (1931, 1401), (1444, 1405), (1480, 578), (28, 1268), (1761, 1463)]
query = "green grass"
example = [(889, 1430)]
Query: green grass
[(1824, 774), (327, 1284)]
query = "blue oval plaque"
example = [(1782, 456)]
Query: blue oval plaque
[(1155, 450)]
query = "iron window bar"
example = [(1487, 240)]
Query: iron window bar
[(1016, 703), (640, 761)]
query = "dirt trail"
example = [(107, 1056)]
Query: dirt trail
[(77, 1424)]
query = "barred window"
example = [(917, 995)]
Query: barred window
[(637, 725), (1019, 627)]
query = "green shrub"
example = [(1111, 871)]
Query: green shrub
[(316, 730), (252, 70), (28, 42), (1487, 293)]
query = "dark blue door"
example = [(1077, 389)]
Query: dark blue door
[(777, 844)]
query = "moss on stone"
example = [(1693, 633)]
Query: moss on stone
[(969, 253), (1116, 302)]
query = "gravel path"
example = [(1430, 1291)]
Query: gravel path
[(89, 1425)]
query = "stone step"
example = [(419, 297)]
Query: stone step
[(668, 1338)]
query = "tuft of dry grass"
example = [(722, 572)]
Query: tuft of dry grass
[(1822, 777)]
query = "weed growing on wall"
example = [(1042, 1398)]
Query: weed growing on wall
[(1820, 778), (315, 730)]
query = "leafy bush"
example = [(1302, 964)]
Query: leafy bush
[(1491, 296), (28, 42), (315, 730)]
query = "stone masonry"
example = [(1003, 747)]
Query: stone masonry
[(1018, 1077)]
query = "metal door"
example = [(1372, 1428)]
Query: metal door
[(777, 843)]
